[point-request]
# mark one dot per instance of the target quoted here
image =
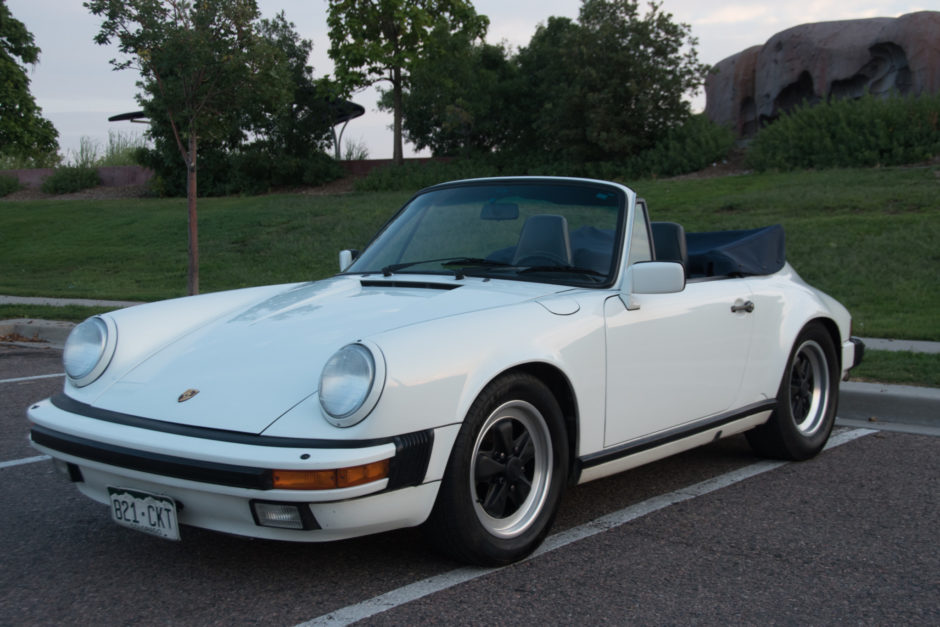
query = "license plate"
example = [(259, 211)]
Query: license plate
[(145, 512)]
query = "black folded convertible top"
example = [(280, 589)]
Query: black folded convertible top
[(736, 253)]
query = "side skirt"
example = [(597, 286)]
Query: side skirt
[(650, 449)]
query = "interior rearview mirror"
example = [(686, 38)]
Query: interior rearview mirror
[(500, 211)]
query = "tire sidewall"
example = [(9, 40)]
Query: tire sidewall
[(455, 510), (798, 445)]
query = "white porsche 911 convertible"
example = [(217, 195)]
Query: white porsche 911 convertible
[(498, 340)]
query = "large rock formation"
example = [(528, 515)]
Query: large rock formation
[(815, 62)]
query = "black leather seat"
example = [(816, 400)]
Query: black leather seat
[(543, 241), (669, 241)]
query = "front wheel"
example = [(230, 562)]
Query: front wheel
[(505, 476), (806, 401)]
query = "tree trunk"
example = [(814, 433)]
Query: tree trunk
[(193, 277), (398, 154)]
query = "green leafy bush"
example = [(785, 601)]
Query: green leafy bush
[(250, 171), (70, 179), (8, 185), (851, 133), (414, 176), (686, 148)]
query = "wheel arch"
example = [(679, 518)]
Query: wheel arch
[(561, 388), (833, 330)]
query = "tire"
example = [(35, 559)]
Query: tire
[(505, 475), (807, 399)]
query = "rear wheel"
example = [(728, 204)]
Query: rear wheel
[(806, 400), (505, 475)]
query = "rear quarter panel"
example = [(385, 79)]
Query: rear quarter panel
[(783, 305)]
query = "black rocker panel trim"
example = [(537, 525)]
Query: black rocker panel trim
[(645, 444)]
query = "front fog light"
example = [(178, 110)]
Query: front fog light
[(283, 515)]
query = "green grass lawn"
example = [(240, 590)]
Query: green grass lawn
[(866, 236), (899, 367)]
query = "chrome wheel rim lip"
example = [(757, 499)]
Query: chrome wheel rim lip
[(523, 416), (809, 387)]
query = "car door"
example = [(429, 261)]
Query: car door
[(676, 358)]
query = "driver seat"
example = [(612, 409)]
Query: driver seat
[(544, 236)]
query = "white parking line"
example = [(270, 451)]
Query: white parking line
[(25, 460), (389, 600), (33, 378)]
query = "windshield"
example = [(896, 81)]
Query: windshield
[(551, 231)]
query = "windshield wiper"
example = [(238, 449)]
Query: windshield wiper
[(446, 261)]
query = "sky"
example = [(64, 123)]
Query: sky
[(78, 90)]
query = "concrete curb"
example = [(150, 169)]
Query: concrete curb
[(29, 332), (64, 302), (913, 346), (885, 389), (863, 403)]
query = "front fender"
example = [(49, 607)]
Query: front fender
[(437, 369)]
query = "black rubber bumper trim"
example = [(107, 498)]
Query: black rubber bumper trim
[(859, 350), (154, 463), (407, 468), (67, 403)]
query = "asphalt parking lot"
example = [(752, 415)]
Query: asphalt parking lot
[(714, 536)]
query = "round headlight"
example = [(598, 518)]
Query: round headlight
[(348, 389), (87, 351)]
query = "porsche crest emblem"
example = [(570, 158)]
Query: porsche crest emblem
[(188, 394)]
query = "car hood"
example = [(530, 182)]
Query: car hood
[(253, 365)]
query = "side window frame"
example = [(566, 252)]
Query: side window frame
[(641, 218)]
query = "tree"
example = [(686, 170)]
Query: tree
[(611, 84), (24, 133), (457, 101), (655, 65), (273, 143), (374, 41), (304, 125), (204, 69)]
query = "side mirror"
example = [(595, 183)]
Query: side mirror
[(652, 277), (346, 257)]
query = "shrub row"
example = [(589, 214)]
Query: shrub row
[(851, 133), (8, 185), (68, 179), (248, 172), (686, 148)]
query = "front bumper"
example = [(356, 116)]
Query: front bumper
[(214, 476)]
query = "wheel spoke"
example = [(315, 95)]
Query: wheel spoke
[(503, 436), (487, 467), (802, 367), (518, 493), (523, 448), (495, 501)]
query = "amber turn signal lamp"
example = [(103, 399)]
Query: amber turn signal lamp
[(330, 479)]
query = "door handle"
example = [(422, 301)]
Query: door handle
[(747, 306)]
